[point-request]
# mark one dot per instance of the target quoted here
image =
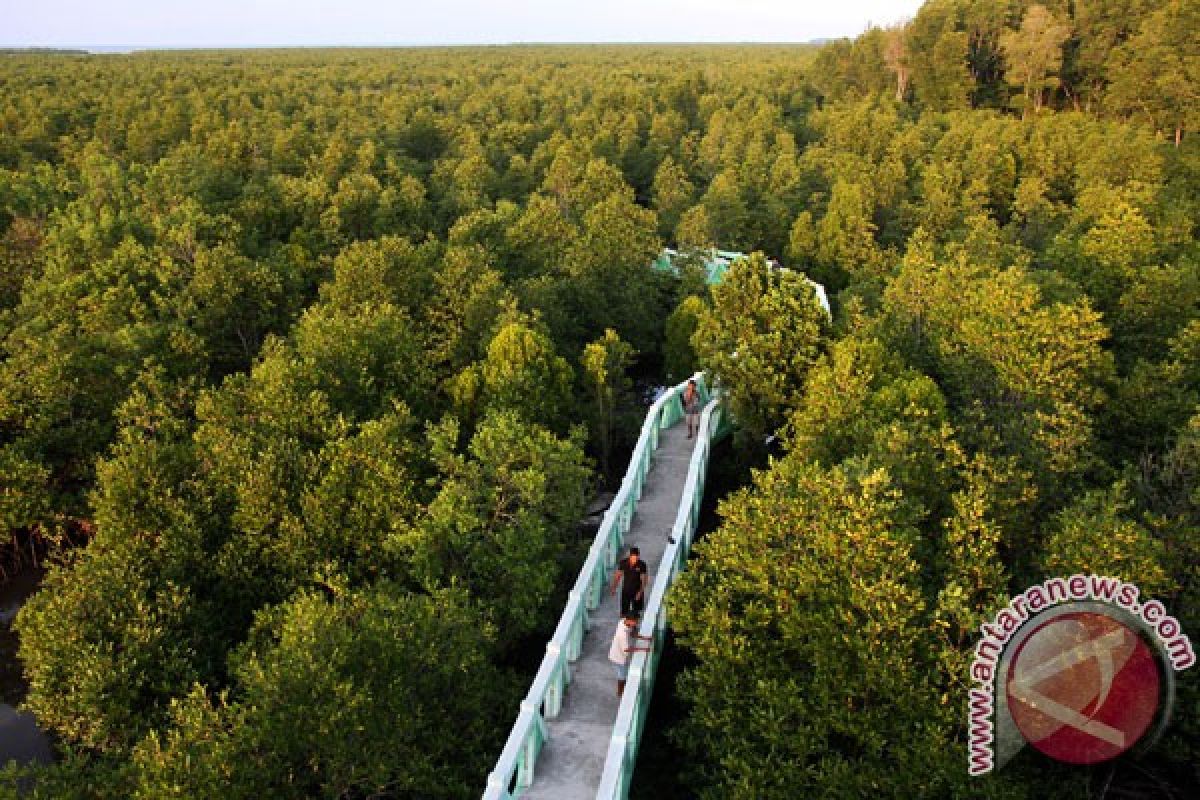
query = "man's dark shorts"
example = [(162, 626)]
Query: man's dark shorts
[(632, 604)]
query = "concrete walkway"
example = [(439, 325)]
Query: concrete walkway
[(572, 760)]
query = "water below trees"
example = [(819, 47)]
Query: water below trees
[(20, 738)]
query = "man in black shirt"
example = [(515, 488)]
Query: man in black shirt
[(631, 574)]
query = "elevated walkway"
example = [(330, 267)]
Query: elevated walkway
[(572, 739), (572, 761)]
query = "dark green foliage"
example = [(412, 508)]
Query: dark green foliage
[(611, 407), (520, 373), (760, 337), (358, 696), (500, 521), (678, 352), (816, 655)]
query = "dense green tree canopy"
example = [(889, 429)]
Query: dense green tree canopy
[(306, 356), (760, 338)]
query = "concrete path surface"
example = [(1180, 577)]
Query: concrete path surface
[(572, 760)]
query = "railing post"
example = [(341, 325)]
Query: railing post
[(578, 625), (554, 692), (497, 788), (531, 747)]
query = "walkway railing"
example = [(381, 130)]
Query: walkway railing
[(514, 770), (631, 715)]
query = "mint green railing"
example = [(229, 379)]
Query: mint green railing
[(631, 715), (514, 771)]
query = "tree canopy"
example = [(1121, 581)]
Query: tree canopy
[(307, 356)]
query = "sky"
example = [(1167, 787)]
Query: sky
[(250, 23)]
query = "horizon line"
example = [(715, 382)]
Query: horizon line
[(129, 48)]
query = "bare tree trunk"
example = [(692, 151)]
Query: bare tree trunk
[(1178, 135), (1072, 96)]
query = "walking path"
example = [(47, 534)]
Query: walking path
[(572, 759)]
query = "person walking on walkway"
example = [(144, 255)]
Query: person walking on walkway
[(623, 647), (691, 407), (631, 574)]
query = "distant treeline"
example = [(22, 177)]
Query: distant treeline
[(43, 51), (1130, 59)]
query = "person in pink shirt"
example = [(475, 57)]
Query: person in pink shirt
[(624, 646)]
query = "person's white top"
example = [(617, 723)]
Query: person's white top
[(618, 653)]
